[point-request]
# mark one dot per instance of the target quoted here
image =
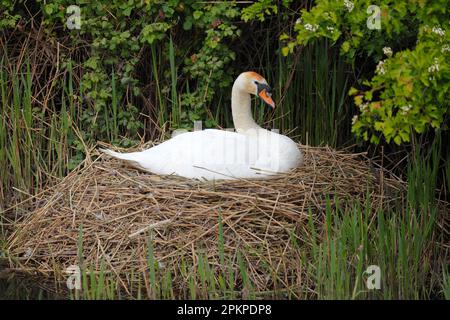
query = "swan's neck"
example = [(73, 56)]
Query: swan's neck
[(241, 110)]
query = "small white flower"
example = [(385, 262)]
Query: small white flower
[(434, 68), (405, 109), (298, 21), (312, 28), (363, 107), (349, 5), (354, 119), (438, 30), (380, 67), (445, 48), (329, 28), (387, 51)]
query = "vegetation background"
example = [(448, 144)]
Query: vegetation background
[(344, 74)]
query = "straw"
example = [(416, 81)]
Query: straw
[(118, 206)]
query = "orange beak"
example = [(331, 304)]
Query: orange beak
[(267, 99)]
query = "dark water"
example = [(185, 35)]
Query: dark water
[(26, 288)]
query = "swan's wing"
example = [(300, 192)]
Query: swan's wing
[(192, 153), (217, 154)]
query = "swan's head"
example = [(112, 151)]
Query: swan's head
[(253, 83)]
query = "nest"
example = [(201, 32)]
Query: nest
[(115, 211)]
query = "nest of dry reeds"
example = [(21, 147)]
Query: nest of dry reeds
[(114, 210)]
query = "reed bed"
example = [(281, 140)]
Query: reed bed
[(110, 218)]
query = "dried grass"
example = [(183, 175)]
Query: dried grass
[(117, 207)]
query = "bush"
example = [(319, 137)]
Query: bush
[(116, 38), (408, 89), (404, 91)]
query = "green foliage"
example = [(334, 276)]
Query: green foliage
[(259, 9), (7, 20), (209, 65), (119, 37), (409, 90), (119, 34)]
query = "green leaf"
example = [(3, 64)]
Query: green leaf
[(48, 9), (284, 36), (197, 14), (345, 46), (187, 24), (352, 91)]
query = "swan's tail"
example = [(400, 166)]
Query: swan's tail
[(123, 156), (131, 158)]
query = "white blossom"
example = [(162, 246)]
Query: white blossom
[(387, 51), (312, 28), (380, 67), (349, 5), (298, 21), (445, 48), (438, 30), (405, 109), (434, 68), (354, 119), (363, 107), (329, 28)]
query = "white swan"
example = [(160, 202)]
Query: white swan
[(251, 152)]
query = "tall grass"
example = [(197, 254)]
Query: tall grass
[(17, 137), (43, 140), (310, 93), (402, 241), (33, 141), (156, 59), (176, 111)]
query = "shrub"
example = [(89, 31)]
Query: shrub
[(408, 89)]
